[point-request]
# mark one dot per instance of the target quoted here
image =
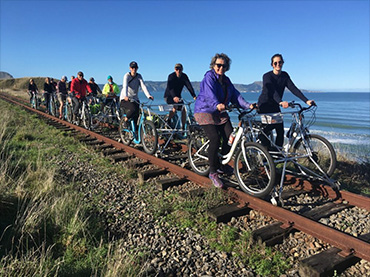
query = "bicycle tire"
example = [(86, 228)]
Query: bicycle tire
[(198, 154), (86, 117), (323, 154), (149, 137), (125, 133), (52, 108), (69, 113), (34, 102), (258, 178), (96, 119)]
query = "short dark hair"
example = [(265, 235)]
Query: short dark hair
[(275, 56), (223, 57)]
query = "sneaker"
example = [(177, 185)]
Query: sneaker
[(215, 180), (225, 169)]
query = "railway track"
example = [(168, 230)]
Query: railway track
[(346, 249)]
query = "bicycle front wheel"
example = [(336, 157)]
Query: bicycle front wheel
[(86, 117), (149, 137), (318, 152), (34, 102), (198, 154), (52, 107), (125, 132), (69, 113), (255, 171)]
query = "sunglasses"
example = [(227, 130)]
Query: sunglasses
[(279, 62), (177, 68), (219, 65)]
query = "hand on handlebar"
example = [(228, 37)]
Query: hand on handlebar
[(253, 106), (284, 104), (311, 103), (221, 107)]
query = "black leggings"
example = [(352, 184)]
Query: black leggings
[(279, 127), (131, 109), (214, 134), (77, 102)]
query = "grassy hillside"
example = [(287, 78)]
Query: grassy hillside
[(22, 83)]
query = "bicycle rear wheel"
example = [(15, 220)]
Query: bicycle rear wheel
[(125, 132), (149, 137), (96, 119), (198, 154), (255, 171), (318, 151)]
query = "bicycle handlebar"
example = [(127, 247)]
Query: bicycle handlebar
[(292, 104)]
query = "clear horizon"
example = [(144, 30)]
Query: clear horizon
[(325, 44)]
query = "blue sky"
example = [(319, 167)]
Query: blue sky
[(325, 44)]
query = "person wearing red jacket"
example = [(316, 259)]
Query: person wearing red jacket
[(79, 86)]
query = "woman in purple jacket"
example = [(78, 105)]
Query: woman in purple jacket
[(216, 91)]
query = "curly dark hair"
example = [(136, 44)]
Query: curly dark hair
[(222, 56)]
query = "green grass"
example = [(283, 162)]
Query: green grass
[(46, 228)]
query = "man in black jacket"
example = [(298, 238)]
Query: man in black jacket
[(175, 83)]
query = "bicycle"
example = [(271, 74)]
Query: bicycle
[(254, 167), (304, 155), (145, 133), (83, 114), (171, 129), (35, 100), (68, 108), (110, 112)]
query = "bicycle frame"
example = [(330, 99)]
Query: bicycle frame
[(136, 133), (168, 130)]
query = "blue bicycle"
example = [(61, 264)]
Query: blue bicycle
[(146, 133)]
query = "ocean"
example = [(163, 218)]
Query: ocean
[(341, 117)]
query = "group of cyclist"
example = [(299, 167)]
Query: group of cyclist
[(216, 92)]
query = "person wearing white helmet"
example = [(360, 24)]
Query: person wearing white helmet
[(62, 94)]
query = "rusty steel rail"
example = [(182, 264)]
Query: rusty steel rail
[(348, 244)]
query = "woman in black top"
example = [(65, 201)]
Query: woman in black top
[(48, 90), (271, 98), (32, 89)]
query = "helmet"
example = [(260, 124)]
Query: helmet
[(109, 77), (64, 78)]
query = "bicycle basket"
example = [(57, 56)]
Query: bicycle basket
[(271, 118), (165, 108)]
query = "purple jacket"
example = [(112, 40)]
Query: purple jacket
[(211, 94)]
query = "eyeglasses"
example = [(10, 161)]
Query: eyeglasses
[(220, 64), (279, 62)]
